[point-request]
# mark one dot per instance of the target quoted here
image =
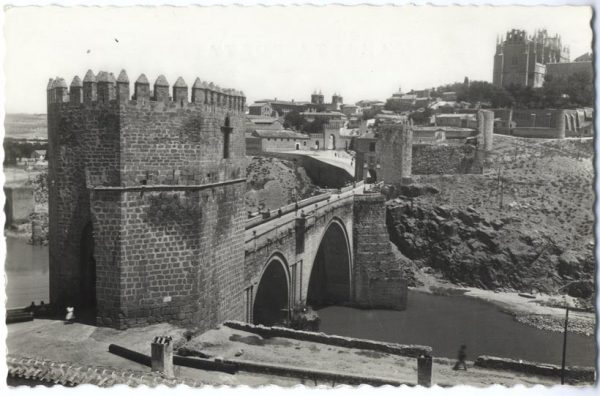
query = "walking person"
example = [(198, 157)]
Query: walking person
[(462, 358)]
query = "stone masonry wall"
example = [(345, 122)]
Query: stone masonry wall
[(181, 256), (377, 277), (68, 204), (107, 226), (166, 143)]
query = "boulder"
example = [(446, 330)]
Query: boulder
[(580, 289), (568, 264)]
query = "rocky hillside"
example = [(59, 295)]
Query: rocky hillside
[(491, 254), (525, 224), (273, 182)]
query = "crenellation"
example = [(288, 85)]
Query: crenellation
[(180, 91), (218, 96), (76, 91), (198, 92), (123, 87), (210, 94), (49, 91), (106, 90), (141, 91), (243, 97), (161, 89), (90, 93), (61, 93)]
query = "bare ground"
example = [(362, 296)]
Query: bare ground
[(88, 345)]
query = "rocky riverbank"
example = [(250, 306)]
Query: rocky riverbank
[(540, 312)]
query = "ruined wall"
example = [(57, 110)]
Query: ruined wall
[(378, 281), (485, 125), (395, 142), (446, 159), (161, 181), (541, 118)]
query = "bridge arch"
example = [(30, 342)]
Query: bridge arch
[(271, 302), (331, 273)]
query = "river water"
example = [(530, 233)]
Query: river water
[(26, 272), (444, 323)]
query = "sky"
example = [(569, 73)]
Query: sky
[(362, 52)]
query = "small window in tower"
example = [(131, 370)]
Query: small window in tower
[(372, 146)]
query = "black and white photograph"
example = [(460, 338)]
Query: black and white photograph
[(297, 195)]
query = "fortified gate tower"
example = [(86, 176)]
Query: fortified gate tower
[(146, 200)]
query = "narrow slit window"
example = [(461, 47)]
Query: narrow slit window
[(226, 129)]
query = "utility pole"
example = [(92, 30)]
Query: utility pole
[(564, 351)]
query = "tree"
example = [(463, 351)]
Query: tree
[(580, 89), (369, 113), (316, 126), (483, 91), (421, 117), (294, 120)]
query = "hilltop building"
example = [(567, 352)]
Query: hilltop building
[(279, 108), (268, 134), (525, 60)]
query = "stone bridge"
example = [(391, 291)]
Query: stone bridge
[(329, 249)]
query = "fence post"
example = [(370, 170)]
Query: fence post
[(162, 355), (424, 364)]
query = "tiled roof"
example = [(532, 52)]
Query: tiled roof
[(74, 374)]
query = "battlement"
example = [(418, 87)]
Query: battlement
[(105, 88)]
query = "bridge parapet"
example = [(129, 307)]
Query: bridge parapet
[(257, 219), (283, 226)]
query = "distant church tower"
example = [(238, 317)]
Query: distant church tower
[(317, 98)]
